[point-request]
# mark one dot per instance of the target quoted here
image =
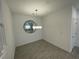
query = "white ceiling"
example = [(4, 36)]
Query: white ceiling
[(44, 6)]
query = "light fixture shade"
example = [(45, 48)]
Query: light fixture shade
[(28, 26)]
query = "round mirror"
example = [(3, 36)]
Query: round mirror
[(28, 26)]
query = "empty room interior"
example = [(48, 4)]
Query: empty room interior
[(39, 29)]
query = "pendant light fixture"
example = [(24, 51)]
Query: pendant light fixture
[(31, 26)]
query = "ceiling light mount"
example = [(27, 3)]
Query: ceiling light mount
[(36, 10)]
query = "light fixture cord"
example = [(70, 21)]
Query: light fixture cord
[(36, 10), (35, 14)]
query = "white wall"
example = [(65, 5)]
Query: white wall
[(7, 19), (57, 28), (1, 44), (21, 36)]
